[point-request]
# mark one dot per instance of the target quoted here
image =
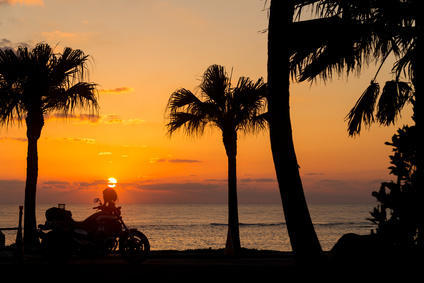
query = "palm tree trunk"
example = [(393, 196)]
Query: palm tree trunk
[(303, 238), (232, 246), (419, 115), (34, 125)]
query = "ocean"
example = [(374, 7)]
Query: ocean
[(203, 226)]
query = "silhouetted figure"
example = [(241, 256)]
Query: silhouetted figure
[(109, 198)]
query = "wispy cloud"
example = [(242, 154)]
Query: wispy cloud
[(82, 140), (23, 2), (116, 119), (183, 161), (157, 160), (89, 118), (13, 139), (110, 119), (57, 34), (257, 180), (314, 174), (103, 153), (64, 38), (118, 90), (7, 44), (176, 160)]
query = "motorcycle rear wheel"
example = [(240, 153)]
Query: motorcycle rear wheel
[(134, 246)]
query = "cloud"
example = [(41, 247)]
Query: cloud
[(57, 34), (255, 190), (340, 190), (104, 153), (82, 140), (56, 185), (314, 174), (13, 139), (89, 118), (175, 160), (110, 119), (12, 191), (64, 38), (23, 2), (183, 161), (216, 180), (8, 44), (157, 160), (116, 119), (258, 180), (5, 42), (118, 90)]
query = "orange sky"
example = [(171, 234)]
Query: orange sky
[(144, 50)]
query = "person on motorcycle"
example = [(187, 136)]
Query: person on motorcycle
[(109, 198)]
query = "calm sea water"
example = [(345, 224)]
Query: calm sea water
[(193, 226)]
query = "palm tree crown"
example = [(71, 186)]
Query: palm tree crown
[(369, 31), (229, 109), (38, 81)]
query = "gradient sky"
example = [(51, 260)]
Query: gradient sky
[(142, 51)]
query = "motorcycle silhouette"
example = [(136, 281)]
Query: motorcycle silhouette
[(103, 233)]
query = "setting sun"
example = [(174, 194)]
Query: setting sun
[(112, 182)]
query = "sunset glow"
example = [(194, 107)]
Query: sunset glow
[(141, 52)]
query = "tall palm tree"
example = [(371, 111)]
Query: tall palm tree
[(303, 238), (34, 83), (228, 108)]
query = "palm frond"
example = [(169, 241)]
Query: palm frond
[(10, 106), (337, 56), (406, 64), (191, 124), (180, 99), (184, 100), (249, 102), (215, 84), (258, 123), (363, 110), (393, 98), (68, 67), (81, 95)]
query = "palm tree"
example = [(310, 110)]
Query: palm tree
[(303, 238), (228, 108), (34, 83), (372, 31)]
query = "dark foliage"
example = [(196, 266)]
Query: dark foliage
[(397, 214)]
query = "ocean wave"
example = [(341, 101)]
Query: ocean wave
[(250, 224), (262, 224), (327, 224)]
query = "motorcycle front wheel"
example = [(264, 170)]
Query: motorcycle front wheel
[(134, 246)]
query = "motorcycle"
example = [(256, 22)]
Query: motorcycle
[(101, 234)]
